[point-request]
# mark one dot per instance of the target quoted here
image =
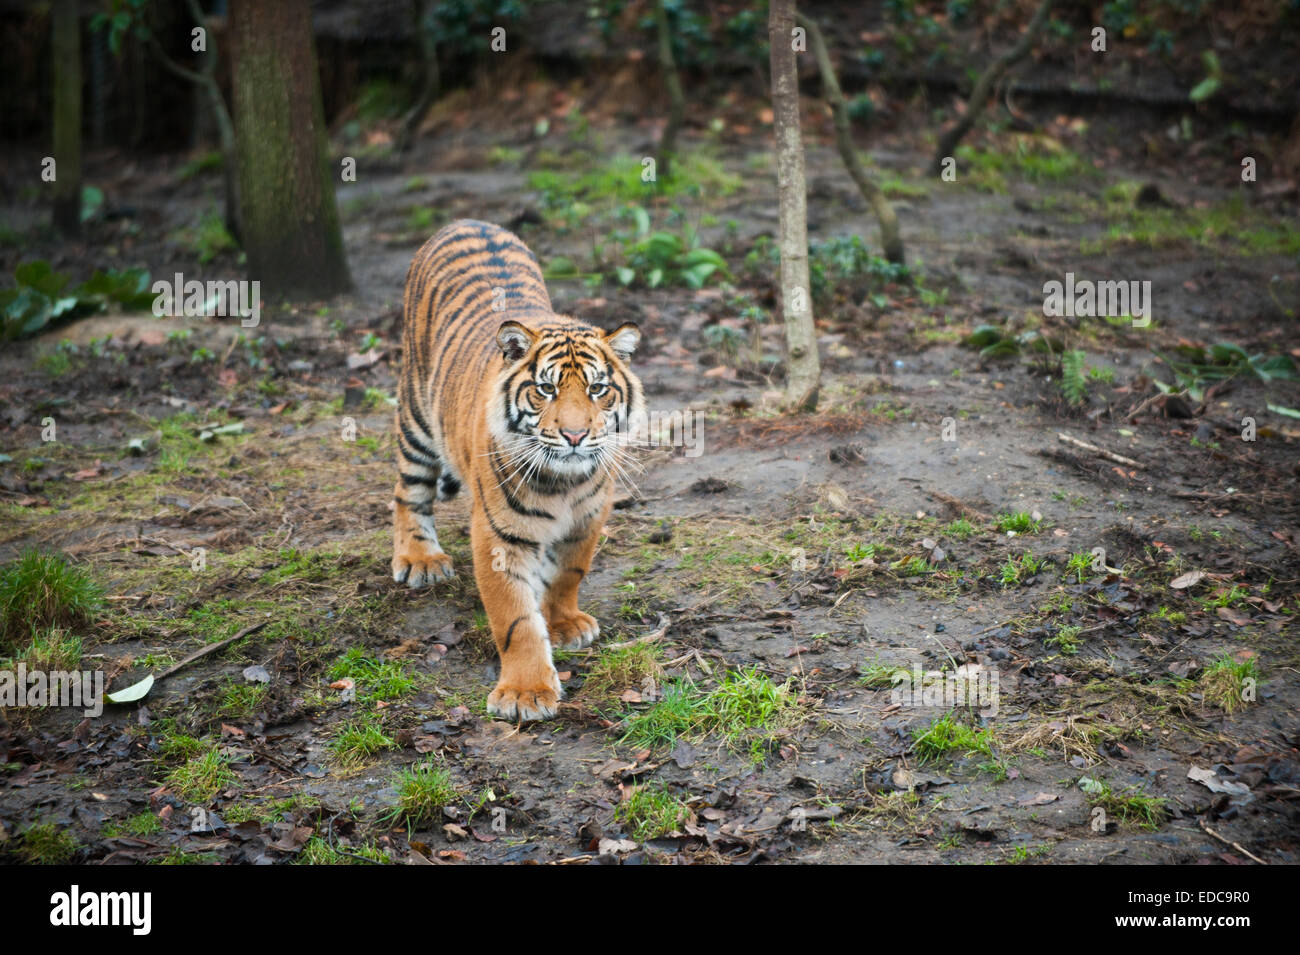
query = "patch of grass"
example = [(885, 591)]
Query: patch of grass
[(422, 791), (319, 852), (1079, 564), (623, 668), (1129, 805), (178, 856), (911, 566), (1019, 522), (39, 591), (945, 736), (877, 676), (960, 529), (1230, 684), (1066, 639), (242, 700), (175, 747), (1015, 571), (51, 649), (652, 811), (201, 777), (271, 812), (375, 679), (1230, 226), (746, 706), (357, 741), (46, 844), (141, 824)]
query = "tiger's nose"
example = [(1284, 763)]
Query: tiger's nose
[(573, 437)]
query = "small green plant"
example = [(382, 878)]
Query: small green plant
[(652, 811), (630, 666), (1129, 805), (1230, 684), (1066, 639), (945, 736), (242, 700), (39, 591), (200, 778), (1074, 383), (386, 680), (1079, 564), (1015, 571), (52, 649), (46, 844), (1019, 522), (422, 792), (860, 552), (357, 741), (960, 529), (746, 706)]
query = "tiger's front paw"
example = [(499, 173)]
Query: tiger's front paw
[(572, 631), (418, 568), (520, 701)]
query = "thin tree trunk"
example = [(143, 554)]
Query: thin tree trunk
[(676, 101), (890, 238), (67, 117), (430, 82), (984, 86), (803, 380), (206, 80), (286, 184)]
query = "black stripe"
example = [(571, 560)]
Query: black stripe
[(506, 536), (510, 633)]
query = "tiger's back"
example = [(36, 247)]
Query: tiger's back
[(459, 285), (527, 410)]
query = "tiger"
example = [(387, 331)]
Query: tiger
[(528, 409)]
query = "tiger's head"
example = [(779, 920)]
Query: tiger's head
[(567, 398)]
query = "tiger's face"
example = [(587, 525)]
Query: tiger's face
[(567, 398)]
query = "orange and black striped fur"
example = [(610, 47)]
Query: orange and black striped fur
[(526, 409)]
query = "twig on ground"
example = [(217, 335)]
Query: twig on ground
[(1102, 452)]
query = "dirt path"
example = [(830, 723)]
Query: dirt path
[(800, 556)]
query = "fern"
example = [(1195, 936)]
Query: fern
[(1074, 384)]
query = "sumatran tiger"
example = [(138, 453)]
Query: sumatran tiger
[(526, 408)]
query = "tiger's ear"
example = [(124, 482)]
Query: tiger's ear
[(623, 340), (515, 340)]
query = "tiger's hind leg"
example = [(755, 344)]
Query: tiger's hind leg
[(418, 558)]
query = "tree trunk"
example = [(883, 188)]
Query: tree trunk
[(67, 117), (289, 214), (890, 238), (676, 102), (984, 86), (803, 379), (430, 79)]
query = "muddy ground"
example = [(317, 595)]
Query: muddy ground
[(783, 550)]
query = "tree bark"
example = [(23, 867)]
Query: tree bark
[(67, 117), (288, 211), (676, 101), (803, 380), (430, 79), (890, 239), (984, 86)]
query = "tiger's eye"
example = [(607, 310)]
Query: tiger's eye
[(598, 389), (547, 390)]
